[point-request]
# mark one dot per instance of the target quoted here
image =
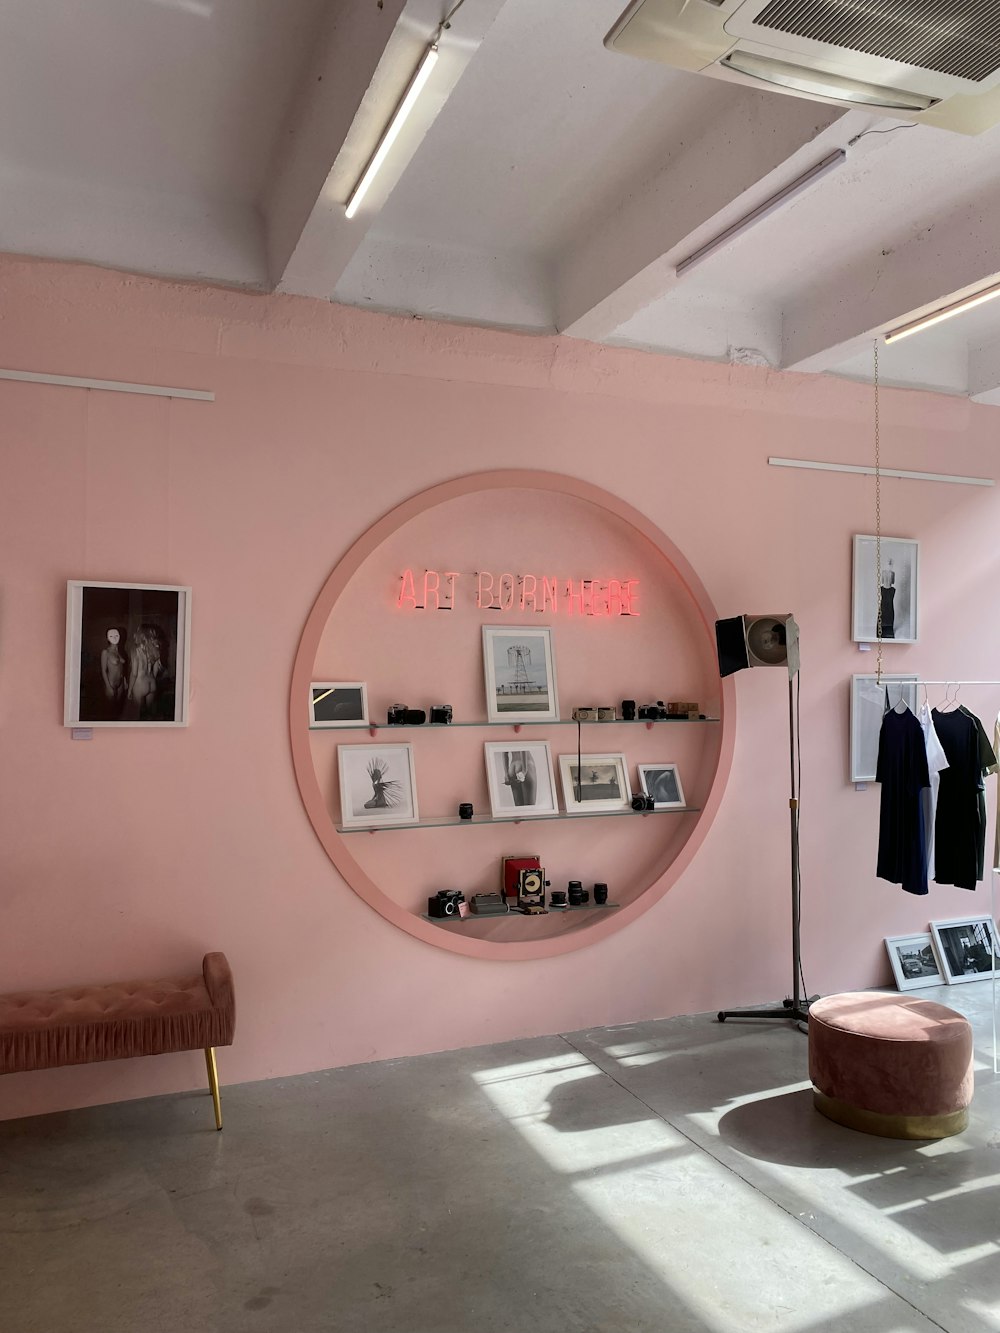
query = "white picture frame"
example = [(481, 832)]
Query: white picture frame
[(337, 704), (378, 786), (867, 710), (128, 654), (899, 597), (663, 783), (604, 786), (914, 960), (968, 947), (520, 670), (521, 779)]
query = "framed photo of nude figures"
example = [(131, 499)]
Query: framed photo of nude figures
[(128, 653), (889, 586)]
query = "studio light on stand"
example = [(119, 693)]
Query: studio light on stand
[(773, 641)]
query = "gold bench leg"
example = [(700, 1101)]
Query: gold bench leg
[(213, 1083)]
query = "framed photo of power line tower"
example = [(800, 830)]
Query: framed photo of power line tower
[(520, 673)]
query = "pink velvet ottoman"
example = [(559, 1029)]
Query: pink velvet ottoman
[(891, 1065)]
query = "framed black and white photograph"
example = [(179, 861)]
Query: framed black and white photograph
[(128, 648), (378, 785), (597, 783), (967, 947), (868, 703), (520, 674), (338, 704), (914, 961), (520, 779), (663, 783), (895, 591)]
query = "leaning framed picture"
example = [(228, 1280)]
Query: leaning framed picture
[(914, 961), (338, 704), (378, 786), (663, 783), (128, 651), (894, 590), (968, 947), (868, 703), (521, 779), (594, 784), (520, 671)]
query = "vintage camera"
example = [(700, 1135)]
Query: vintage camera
[(607, 714), (401, 716), (489, 904), (531, 886), (628, 710), (640, 801), (653, 712), (445, 903), (441, 714), (585, 714)]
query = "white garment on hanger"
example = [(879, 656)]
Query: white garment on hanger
[(936, 763)]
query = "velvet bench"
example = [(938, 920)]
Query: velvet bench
[(82, 1024), (891, 1064)]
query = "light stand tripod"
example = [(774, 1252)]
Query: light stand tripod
[(796, 1008)]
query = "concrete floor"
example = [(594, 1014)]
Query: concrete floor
[(658, 1178)]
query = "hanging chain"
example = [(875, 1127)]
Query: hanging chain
[(878, 528)]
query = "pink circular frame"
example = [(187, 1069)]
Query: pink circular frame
[(305, 773)]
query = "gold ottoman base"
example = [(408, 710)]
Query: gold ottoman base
[(890, 1126)]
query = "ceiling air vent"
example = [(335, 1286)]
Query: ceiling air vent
[(957, 37), (934, 62)]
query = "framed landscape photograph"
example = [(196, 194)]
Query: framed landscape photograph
[(338, 704), (895, 592), (867, 708), (520, 779), (663, 783), (520, 674), (597, 783), (968, 947), (378, 785), (128, 648), (914, 962)]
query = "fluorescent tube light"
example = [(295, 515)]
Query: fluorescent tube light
[(769, 206), (406, 105), (946, 312)]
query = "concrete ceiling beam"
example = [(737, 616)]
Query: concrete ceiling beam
[(749, 151), (948, 258), (984, 373)]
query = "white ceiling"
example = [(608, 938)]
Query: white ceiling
[(543, 182)]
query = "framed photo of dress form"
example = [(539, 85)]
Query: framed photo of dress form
[(893, 590), (868, 700)]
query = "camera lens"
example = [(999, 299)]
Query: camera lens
[(600, 894), (465, 810)]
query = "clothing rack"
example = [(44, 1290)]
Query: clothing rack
[(993, 876)]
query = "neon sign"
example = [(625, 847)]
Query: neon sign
[(524, 594)]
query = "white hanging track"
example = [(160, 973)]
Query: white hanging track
[(949, 477), (112, 386)]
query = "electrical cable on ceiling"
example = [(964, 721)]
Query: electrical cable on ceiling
[(864, 133), (446, 21)]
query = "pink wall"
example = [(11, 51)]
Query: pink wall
[(133, 853)]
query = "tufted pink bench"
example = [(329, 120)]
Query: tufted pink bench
[(81, 1024), (891, 1064)]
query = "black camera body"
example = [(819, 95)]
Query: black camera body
[(445, 903), (653, 712), (441, 715), (640, 801), (399, 715)]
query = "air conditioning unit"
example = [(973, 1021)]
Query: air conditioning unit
[(936, 62)]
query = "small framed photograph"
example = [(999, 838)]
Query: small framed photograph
[(378, 785), (868, 702), (520, 674), (663, 783), (967, 947), (521, 779), (895, 592), (914, 962), (128, 649), (338, 704), (598, 783)]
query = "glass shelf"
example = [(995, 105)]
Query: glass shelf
[(454, 821), (516, 915), (448, 726)]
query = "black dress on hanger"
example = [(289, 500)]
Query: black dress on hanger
[(960, 828), (902, 771)]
